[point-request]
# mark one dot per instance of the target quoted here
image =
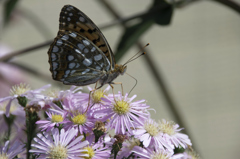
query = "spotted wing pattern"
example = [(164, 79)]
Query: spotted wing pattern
[(80, 54), (73, 19)]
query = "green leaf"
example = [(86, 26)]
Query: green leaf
[(8, 8), (131, 35)]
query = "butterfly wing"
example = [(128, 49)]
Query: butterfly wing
[(75, 60), (80, 54), (73, 19)]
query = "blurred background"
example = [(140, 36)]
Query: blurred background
[(194, 51)]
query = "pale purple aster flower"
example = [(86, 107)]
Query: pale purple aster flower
[(19, 118), (22, 90), (190, 154), (124, 114), (55, 118), (98, 151), (11, 151), (60, 145), (170, 130), (154, 153), (78, 118), (127, 147), (150, 136)]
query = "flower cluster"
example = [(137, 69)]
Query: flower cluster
[(74, 124)]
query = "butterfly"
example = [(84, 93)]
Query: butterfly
[(80, 54)]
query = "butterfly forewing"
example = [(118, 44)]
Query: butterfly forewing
[(76, 60), (73, 19)]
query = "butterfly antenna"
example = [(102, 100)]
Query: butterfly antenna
[(137, 54), (134, 85)]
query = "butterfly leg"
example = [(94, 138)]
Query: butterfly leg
[(118, 83), (96, 88)]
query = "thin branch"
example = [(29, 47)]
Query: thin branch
[(45, 77), (20, 52), (231, 4), (156, 74)]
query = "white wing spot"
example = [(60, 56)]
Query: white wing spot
[(55, 49), (55, 65), (68, 18), (54, 73), (70, 57), (86, 42), (59, 42), (87, 70), (53, 56), (86, 50), (65, 37), (71, 65), (80, 46), (77, 65), (74, 35), (93, 49), (98, 68), (69, 8), (87, 62), (95, 72), (78, 51), (67, 72), (98, 57), (81, 19), (70, 14), (73, 71)]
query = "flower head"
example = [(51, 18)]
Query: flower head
[(170, 130), (60, 145), (149, 134), (125, 114), (9, 152)]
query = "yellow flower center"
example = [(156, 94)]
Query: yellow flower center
[(151, 128), (97, 95), (56, 118), (58, 152), (19, 89), (159, 155), (167, 127), (3, 156), (53, 93), (121, 107), (133, 142), (90, 152), (79, 119), (193, 154)]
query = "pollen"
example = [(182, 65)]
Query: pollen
[(133, 142), (97, 95), (90, 152), (167, 127), (159, 155), (19, 89), (121, 107), (57, 118), (79, 119), (58, 152), (53, 93), (151, 127), (3, 156)]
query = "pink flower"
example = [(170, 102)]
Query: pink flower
[(124, 114)]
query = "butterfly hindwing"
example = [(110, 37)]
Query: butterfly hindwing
[(72, 19), (76, 60)]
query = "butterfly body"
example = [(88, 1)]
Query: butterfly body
[(80, 54)]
